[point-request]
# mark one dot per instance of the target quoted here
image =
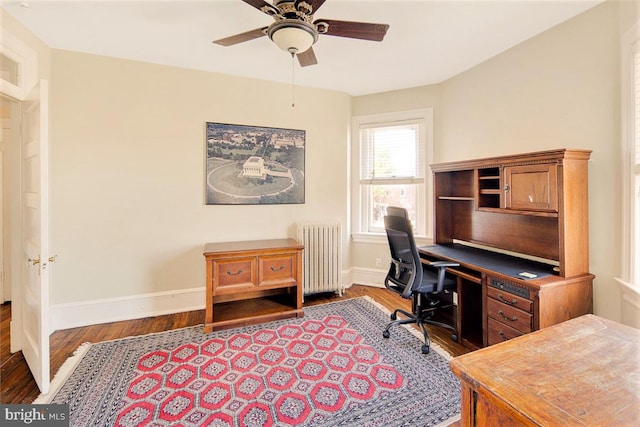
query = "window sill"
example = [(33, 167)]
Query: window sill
[(630, 292), (381, 239)]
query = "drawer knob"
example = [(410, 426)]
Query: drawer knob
[(512, 302), (512, 319), (230, 273), (282, 267), (504, 338)]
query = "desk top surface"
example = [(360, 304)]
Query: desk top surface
[(491, 261), (585, 371)]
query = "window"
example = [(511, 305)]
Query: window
[(391, 153), (635, 145), (631, 158), (19, 66)]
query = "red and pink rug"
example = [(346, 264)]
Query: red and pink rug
[(330, 368)]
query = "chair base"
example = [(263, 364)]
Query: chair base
[(421, 322)]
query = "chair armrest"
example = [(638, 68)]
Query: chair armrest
[(442, 269), (442, 264)]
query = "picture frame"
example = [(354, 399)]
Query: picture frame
[(254, 165)]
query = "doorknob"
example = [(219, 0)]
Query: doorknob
[(53, 258), (34, 261)]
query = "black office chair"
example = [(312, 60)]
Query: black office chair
[(414, 278)]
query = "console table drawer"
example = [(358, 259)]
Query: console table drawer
[(233, 273), (276, 270), (510, 299), (509, 315), (499, 332)]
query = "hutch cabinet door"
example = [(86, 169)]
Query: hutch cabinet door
[(531, 187)]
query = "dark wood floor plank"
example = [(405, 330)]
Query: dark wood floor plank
[(17, 385)]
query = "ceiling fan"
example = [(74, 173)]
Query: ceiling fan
[(295, 31)]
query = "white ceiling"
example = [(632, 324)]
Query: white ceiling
[(428, 41)]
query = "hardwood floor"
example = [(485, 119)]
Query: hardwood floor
[(17, 385)]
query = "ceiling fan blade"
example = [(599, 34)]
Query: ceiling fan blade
[(307, 58), (242, 37), (354, 30), (262, 6), (315, 4)]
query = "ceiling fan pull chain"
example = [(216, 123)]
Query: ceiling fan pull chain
[(293, 83)]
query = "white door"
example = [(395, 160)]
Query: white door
[(35, 279), (2, 142)]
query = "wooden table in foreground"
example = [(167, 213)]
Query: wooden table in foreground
[(582, 372), (252, 282)]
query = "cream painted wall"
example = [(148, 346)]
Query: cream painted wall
[(559, 89), (127, 172)]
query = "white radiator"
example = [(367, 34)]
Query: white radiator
[(322, 259)]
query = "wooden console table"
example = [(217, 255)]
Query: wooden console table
[(583, 372), (252, 282)]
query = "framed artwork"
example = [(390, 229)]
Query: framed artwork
[(253, 165)]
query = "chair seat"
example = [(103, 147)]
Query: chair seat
[(430, 282), (428, 285)]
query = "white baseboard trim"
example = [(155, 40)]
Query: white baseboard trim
[(368, 276), (85, 313)]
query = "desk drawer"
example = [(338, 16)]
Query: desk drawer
[(509, 315), (277, 269), (499, 332), (510, 299), (232, 274)]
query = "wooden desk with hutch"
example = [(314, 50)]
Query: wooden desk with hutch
[(268, 272), (532, 205)]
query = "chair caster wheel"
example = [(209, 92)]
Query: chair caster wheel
[(454, 338), (386, 334), (425, 349), (393, 316)]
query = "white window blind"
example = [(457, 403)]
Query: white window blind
[(391, 154)]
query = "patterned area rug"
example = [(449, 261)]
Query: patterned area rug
[(330, 368)]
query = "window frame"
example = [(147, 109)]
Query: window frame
[(630, 235), (424, 210), (26, 61)]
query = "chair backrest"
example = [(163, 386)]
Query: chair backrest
[(397, 211), (405, 270)]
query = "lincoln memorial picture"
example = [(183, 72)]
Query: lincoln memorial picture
[(254, 165)]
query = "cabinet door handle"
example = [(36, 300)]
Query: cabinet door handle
[(282, 267), (234, 274), (512, 319), (512, 302), (506, 187)]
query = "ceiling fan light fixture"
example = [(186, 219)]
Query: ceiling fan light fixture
[(293, 36)]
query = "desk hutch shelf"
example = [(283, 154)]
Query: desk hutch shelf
[(532, 206)]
